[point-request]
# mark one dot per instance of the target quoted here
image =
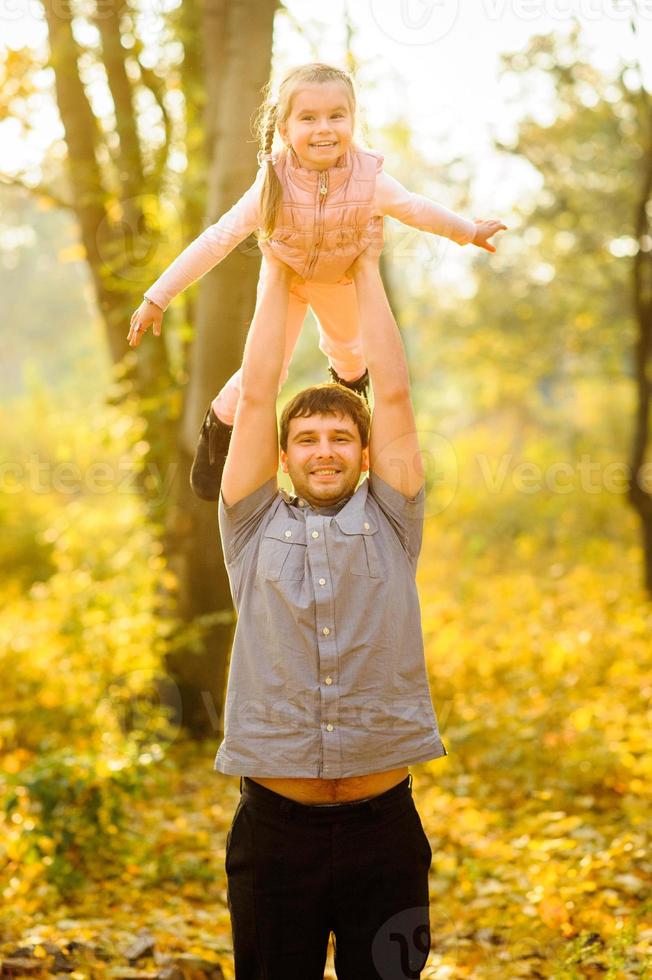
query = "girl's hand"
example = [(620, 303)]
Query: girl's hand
[(145, 316), (484, 231)]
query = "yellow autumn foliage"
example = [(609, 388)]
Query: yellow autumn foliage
[(537, 637)]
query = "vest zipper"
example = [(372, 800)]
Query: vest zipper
[(319, 220)]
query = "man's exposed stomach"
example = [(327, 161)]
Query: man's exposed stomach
[(307, 790)]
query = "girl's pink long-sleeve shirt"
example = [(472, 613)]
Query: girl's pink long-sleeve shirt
[(209, 248)]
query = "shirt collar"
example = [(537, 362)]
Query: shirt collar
[(348, 512)]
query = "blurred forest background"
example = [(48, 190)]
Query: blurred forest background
[(531, 374)]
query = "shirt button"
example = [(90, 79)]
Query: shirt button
[(288, 534), (366, 526), (302, 503), (325, 631), (329, 728), (328, 680), (322, 581), (315, 534)]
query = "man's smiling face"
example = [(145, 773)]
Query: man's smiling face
[(324, 458)]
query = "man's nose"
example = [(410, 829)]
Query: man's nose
[(324, 448)]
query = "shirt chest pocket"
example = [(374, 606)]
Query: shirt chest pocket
[(362, 550), (282, 552)]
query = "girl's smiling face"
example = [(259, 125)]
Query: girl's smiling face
[(319, 127)]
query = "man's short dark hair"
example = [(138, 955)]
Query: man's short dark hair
[(326, 399)]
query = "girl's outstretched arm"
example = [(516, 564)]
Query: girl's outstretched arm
[(198, 258), (420, 212), (209, 248)]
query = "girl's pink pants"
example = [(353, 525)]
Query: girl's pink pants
[(336, 308)]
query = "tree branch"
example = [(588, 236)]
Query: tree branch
[(38, 190), (157, 88), (130, 168)]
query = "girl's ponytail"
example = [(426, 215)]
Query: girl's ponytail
[(271, 192)]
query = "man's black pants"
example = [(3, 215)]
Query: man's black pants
[(296, 872)]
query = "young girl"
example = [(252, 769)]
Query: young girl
[(317, 204)]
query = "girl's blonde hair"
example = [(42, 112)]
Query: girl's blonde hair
[(271, 114)]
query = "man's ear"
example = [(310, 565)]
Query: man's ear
[(284, 461), (365, 460)]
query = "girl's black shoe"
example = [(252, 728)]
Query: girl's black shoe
[(360, 386), (210, 456)]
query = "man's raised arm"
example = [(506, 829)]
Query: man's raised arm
[(253, 451), (394, 447)]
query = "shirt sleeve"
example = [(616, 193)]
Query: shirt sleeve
[(420, 212), (209, 248), (240, 521), (405, 515)]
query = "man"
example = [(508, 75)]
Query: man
[(327, 699)]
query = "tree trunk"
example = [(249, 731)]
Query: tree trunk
[(82, 136), (190, 29), (639, 495), (238, 49), (115, 275)]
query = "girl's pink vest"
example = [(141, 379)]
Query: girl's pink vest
[(326, 220)]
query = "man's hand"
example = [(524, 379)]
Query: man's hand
[(484, 231), (369, 259), (142, 318), (281, 272)]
